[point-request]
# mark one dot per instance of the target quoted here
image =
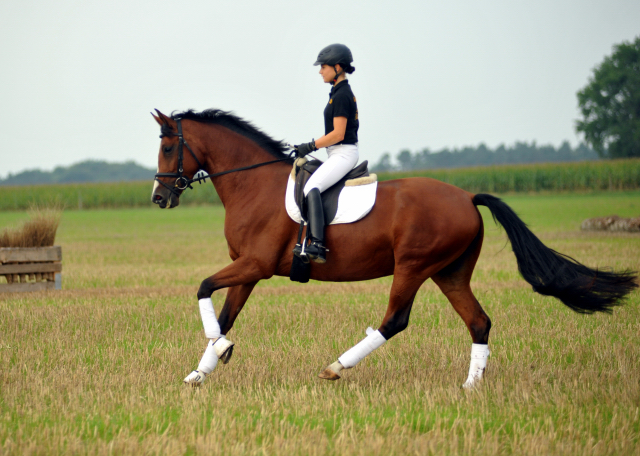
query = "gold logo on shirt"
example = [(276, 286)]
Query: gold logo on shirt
[(331, 101), (354, 100)]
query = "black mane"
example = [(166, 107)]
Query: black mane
[(223, 118)]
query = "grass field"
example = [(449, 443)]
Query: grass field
[(97, 367)]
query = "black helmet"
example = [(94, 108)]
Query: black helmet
[(335, 54)]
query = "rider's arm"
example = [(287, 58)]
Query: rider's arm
[(337, 135)]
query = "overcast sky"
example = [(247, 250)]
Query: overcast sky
[(79, 78)]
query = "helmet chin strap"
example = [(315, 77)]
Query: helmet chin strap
[(337, 75)]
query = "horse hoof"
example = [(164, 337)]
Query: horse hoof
[(328, 374), (195, 379)]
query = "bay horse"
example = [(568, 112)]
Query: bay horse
[(419, 228)]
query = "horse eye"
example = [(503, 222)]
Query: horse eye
[(167, 149)]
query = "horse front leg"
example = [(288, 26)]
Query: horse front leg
[(241, 277)]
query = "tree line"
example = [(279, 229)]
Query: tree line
[(520, 152), (610, 123), (86, 171)]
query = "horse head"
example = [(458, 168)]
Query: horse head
[(173, 170)]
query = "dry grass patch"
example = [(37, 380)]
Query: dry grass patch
[(102, 374), (38, 231)]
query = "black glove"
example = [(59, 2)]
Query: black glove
[(304, 149)]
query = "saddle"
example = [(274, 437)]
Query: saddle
[(302, 171)]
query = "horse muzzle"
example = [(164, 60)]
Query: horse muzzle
[(165, 199)]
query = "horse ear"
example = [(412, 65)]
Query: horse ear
[(157, 119), (164, 120)]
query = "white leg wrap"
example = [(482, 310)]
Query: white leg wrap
[(209, 320), (356, 354), (209, 360), (479, 354), (216, 348)]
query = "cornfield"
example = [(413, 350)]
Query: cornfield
[(556, 177), (98, 195)]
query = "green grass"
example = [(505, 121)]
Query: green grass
[(97, 367)]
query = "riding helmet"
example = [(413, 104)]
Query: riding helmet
[(335, 54)]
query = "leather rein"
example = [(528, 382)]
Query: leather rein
[(183, 182)]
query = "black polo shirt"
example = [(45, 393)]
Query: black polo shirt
[(342, 103)]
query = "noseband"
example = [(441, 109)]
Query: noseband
[(183, 182)]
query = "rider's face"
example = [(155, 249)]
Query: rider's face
[(328, 73)]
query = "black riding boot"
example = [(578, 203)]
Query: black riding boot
[(315, 214)]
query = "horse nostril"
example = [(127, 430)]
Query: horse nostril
[(157, 197)]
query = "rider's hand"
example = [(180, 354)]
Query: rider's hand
[(305, 148)]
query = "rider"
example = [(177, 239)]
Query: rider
[(340, 139)]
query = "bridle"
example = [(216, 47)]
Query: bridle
[(183, 182)]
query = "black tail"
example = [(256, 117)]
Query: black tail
[(583, 289)]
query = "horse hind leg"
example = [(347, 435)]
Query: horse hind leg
[(403, 292), (454, 281)]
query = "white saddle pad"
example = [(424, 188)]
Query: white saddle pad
[(353, 203)]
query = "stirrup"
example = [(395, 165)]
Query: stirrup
[(317, 252)]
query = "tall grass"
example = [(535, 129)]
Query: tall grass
[(582, 176), (38, 231), (96, 195)]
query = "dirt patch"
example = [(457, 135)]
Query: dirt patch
[(611, 223)]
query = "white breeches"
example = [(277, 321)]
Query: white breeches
[(342, 159)]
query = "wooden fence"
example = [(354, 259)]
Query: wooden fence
[(31, 269)]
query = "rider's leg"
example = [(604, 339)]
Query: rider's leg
[(315, 214), (341, 160)]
